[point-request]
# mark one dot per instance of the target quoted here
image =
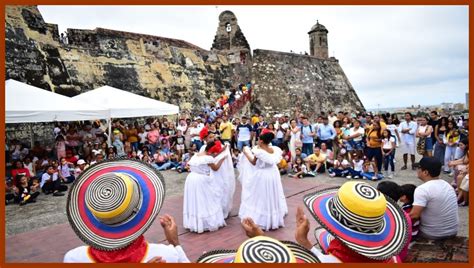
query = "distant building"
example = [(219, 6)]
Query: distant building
[(467, 100)]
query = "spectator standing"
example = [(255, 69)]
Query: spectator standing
[(439, 133), (326, 133), (295, 139), (423, 133), (307, 136), (408, 130), (244, 133)]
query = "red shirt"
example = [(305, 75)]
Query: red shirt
[(72, 159), (19, 171)]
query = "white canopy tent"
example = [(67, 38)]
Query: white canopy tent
[(29, 104), (123, 104)]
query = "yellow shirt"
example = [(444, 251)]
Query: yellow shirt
[(373, 143), (283, 164), (226, 134), (254, 120), (317, 158)]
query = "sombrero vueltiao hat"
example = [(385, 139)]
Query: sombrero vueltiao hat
[(261, 249), (112, 203), (362, 218), (323, 239)]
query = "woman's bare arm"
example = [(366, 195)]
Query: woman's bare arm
[(215, 167)]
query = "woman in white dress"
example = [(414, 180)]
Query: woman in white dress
[(202, 208), (263, 199), (295, 138)]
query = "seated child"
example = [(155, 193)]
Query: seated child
[(183, 166), (340, 168), (357, 167), (407, 196), (368, 171), (394, 191), (298, 169)]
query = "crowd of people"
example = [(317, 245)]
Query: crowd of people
[(210, 145), (361, 146)]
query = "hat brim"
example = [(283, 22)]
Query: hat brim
[(301, 254), (111, 237), (380, 245), (323, 239)]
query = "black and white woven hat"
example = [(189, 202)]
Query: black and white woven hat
[(114, 202)]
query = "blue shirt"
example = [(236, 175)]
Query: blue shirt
[(326, 132), (306, 131)]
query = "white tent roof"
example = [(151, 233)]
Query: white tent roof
[(29, 104), (123, 104)]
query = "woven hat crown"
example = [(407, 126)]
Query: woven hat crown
[(262, 249), (359, 206), (113, 198)]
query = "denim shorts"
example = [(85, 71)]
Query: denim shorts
[(428, 144)]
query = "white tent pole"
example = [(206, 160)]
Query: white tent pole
[(32, 137)]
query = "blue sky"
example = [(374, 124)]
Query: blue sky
[(394, 56)]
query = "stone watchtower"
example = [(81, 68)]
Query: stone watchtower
[(228, 35), (318, 41)]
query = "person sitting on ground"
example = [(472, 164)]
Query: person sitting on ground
[(25, 192), (65, 171), (118, 236), (20, 169), (435, 202), (357, 166), (461, 162), (341, 167), (298, 169), (183, 165), (392, 190), (315, 162), (380, 235), (407, 192), (369, 171), (463, 189), (50, 182), (81, 166), (298, 153)]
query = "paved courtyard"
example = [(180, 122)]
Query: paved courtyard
[(46, 220)]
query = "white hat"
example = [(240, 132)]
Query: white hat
[(147, 127), (81, 162)]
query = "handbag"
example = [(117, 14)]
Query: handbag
[(421, 145), (298, 143)]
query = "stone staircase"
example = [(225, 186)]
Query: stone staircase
[(242, 105)]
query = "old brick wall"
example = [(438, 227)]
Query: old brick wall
[(284, 81), (170, 70)]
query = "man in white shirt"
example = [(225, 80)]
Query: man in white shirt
[(435, 202), (408, 142)]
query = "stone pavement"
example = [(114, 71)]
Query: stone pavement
[(51, 243), (40, 232)]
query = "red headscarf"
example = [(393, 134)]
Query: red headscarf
[(204, 133), (265, 131), (217, 148)]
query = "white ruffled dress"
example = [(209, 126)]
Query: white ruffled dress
[(202, 209), (263, 198)]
